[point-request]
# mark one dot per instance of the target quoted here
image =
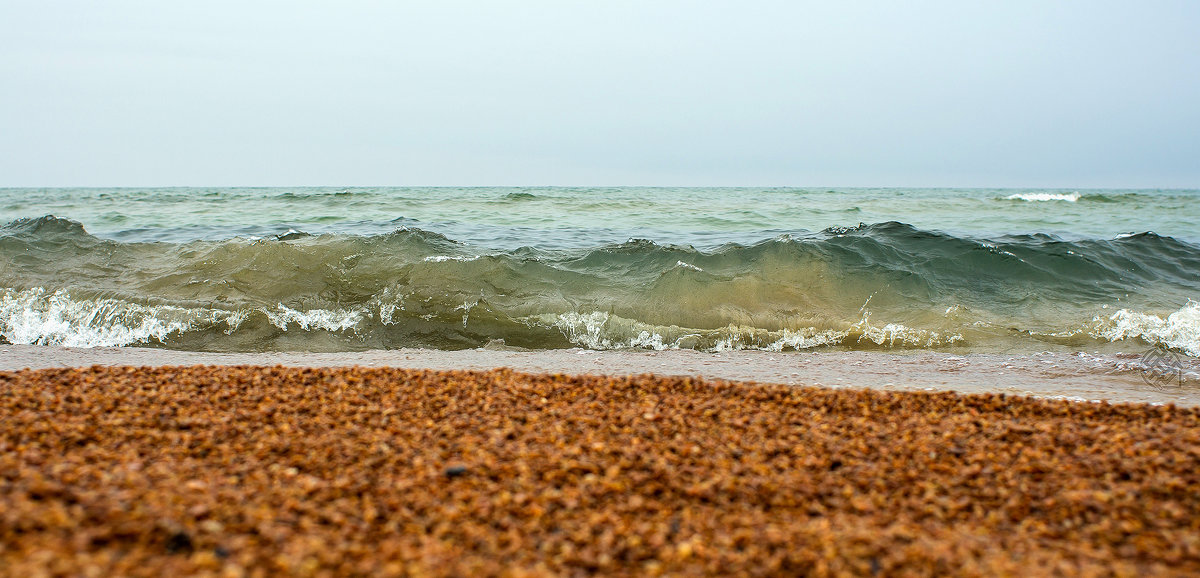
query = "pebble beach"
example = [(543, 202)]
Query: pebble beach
[(560, 289), (262, 471)]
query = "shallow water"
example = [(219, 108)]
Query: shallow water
[(1078, 377)]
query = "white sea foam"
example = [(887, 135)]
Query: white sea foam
[(444, 258), (893, 334), (805, 339), (466, 309), (1179, 330), (687, 266), (992, 248), (1041, 197), (387, 310), (38, 317), (330, 320), (600, 330), (389, 301), (235, 320), (34, 318), (586, 329)]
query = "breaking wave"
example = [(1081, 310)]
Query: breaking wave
[(882, 286)]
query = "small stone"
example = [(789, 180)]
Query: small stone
[(179, 542)]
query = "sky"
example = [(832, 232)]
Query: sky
[(1075, 94)]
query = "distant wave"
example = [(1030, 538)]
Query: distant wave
[(520, 196), (1043, 197)]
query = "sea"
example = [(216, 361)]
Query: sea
[(332, 269)]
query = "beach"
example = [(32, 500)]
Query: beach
[(625, 380), (308, 471), (574, 289)]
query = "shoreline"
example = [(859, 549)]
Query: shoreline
[(1072, 376)]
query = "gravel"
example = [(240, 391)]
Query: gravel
[(262, 471)]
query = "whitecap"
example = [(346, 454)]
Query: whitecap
[(31, 317), (1042, 197), (330, 320), (1179, 330)]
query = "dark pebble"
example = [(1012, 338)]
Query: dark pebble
[(179, 542)]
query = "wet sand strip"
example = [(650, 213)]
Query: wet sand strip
[(1076, 376)]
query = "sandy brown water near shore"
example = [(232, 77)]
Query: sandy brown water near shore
[(263, 471), (1077, 376)]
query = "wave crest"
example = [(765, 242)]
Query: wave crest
[(1043, 197)]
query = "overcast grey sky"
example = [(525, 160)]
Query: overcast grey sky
[(559, 92)]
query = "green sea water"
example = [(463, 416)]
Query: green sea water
[(332, 269)]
